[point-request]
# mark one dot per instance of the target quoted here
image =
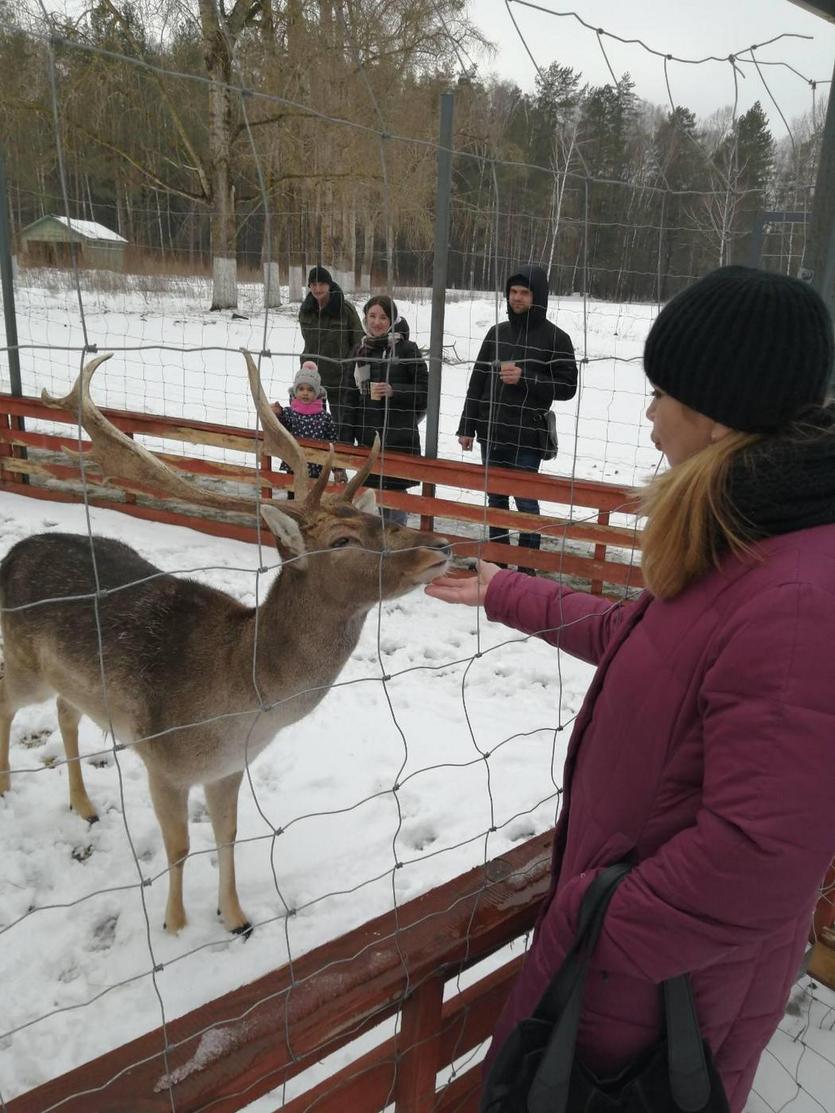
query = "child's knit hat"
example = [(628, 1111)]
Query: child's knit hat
[(308, 375)]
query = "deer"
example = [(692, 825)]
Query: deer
[(187, 676)]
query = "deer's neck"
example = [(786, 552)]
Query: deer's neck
[(302, 637)]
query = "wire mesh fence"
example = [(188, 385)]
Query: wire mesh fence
[(441, 742)]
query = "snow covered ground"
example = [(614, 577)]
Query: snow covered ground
[(80, 936)]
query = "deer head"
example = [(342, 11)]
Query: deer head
[(353, 549)]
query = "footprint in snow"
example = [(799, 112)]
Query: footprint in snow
[(36, 738), (104, 933), (419, 837), (101, 760), (198, 811)]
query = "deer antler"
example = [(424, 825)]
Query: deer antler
[(321, 482), (278, 441), (122, 458), (358, 478)]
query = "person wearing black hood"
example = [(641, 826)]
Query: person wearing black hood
[(524, 365), (384, 391), (331, 329)]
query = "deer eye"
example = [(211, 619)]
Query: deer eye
[(340, 542)]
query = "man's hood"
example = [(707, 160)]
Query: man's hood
[(536, 280)]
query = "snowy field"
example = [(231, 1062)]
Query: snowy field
[(80, 937)]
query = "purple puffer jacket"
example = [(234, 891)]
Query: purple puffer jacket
[(706, 750)]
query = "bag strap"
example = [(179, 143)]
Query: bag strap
[(690, 1085), (563, 1000), (592, 910), (689, 1078)]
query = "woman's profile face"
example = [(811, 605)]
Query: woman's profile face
[(678, 431), (377, 321)]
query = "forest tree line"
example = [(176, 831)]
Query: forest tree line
[(615, 196)]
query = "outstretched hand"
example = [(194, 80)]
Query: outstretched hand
[(468, 590)]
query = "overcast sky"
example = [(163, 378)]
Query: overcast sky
[(684, 28)]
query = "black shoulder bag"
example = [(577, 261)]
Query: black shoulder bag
[(536, 1070), (547, 430)]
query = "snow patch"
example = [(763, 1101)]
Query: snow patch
[(213, 1045)]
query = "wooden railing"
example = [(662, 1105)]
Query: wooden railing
[(585, 537), (273, 1029)]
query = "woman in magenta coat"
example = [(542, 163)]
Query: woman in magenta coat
[(705, 749)]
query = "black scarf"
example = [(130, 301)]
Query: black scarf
[(786, 482), (376, 345)]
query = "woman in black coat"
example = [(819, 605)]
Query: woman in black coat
[(384, 391)]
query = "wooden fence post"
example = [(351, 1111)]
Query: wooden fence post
[(265, 464), (427, 521), (417, 1045), (600, 552)]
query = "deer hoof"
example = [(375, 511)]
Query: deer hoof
[(85, 810), (246, 929), (5, 783), (174, 924)]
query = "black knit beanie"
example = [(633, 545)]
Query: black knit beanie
[(319, 274), (744, 347)]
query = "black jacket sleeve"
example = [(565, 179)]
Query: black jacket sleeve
[(479, 385), (563, 367), (412, 382), (349, 403)]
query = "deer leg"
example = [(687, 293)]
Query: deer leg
[(6, 716), (171, 807), (222, 801), (68, 720)]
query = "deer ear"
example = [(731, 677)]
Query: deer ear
[(288, 536), (366, 501)]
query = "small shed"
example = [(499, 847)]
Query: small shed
[(54, 240)]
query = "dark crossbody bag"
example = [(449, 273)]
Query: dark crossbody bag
[(547, 430), (536, 1070)]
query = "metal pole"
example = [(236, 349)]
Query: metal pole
[(819, 264), (7, 281), (439, 273), (756, 249)]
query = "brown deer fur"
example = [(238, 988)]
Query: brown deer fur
[(194, 681)]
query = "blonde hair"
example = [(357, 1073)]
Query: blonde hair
[(691, 522)]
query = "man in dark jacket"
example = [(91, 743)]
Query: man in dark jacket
[(331, 329), (523, 366)]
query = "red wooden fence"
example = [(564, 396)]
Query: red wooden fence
[(276, 1027), (585, 537)]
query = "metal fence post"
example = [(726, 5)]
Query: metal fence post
[(12, 422), (439, 273), (439, 283), (819, 268), (7, 279)]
